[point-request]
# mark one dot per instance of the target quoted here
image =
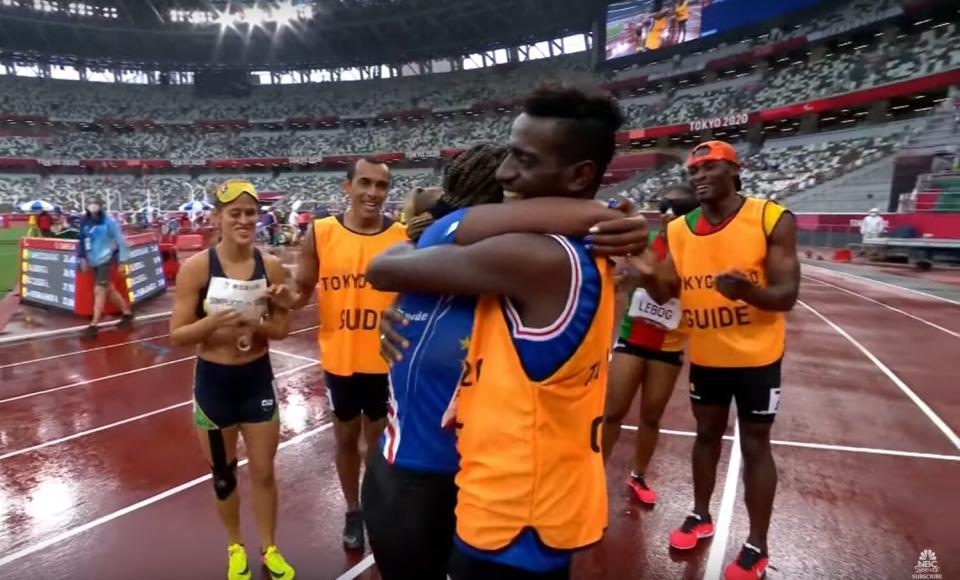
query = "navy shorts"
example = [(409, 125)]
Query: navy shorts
[(227, 395), (358, 393), (756, 389)]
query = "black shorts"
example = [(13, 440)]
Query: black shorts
[(410, 519), (358, 393), (227, 395), (756, 389), (101, 273), (674, 358)]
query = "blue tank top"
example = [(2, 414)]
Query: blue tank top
[(423, 384), (541, 357)]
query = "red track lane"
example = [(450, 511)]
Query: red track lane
[(855, 516), (50, 416), (60, 345), (832, 394), (92, 366), (838, 515), (920, 355), (936, 311), (108, 470), (636, 544)]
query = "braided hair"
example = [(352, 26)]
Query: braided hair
[(470, 179)]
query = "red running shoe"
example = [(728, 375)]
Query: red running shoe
[(640, 488), (693, 530), (749, 565)]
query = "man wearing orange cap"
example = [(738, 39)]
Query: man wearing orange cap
[(733, 264)]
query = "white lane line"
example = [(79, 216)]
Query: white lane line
[(870, 450), (130, 372), (827, 446), (67, 534), (887, 306), (88, 381), (718, 546), (96, 348), (893, 377), (80, 434), (881, 283), (672, 432), (304, 329), (74, 329), (86, 350), (296, 356), (358, 569)]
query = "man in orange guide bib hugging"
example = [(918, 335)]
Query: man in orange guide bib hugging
[(532, 489), (334, 257), (733, 264)]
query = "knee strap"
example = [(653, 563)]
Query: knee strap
[(224, 474)]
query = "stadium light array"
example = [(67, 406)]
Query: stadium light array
[(71, 9), (282, 13)]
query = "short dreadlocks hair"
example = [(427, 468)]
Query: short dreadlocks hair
[(470, 179)]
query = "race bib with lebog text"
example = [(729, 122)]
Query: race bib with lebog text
[(666, 316)]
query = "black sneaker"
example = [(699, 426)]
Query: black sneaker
[(126, 321), (353, 536), (90, 331)]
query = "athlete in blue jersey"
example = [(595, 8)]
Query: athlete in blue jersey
[(560, 146), (408, 491)]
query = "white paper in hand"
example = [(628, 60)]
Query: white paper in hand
[(666, 316), (248, 298)]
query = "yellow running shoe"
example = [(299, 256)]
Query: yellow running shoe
[(237, 568), (275, 564)]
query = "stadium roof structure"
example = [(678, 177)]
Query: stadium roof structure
[(334, 32)]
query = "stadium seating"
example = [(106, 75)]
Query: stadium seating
[(427, 114)]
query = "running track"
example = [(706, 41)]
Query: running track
[(100, 476)]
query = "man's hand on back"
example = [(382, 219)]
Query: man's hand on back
[(624, 236)]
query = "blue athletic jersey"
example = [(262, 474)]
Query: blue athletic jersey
[(422, 385), (542, 356)]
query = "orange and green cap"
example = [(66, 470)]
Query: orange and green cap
[(713, 151)]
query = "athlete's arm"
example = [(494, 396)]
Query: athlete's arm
[(612, 231), (185, 329), (782, 267), (520, 266), (276, 325), (659, 279), (308, 271)]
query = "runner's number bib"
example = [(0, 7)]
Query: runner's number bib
[(666, 316), (247, 298)]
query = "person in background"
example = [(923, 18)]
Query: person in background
[(647, 354), (45, 224), (303, 222), (332, 262), (682, 12), (32, 230), (732, 263), (100, 242), (269, 221), (872, 226)]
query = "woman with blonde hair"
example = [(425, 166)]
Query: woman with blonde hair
[(227, 305)]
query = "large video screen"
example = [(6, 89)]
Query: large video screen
[(638, 26)]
